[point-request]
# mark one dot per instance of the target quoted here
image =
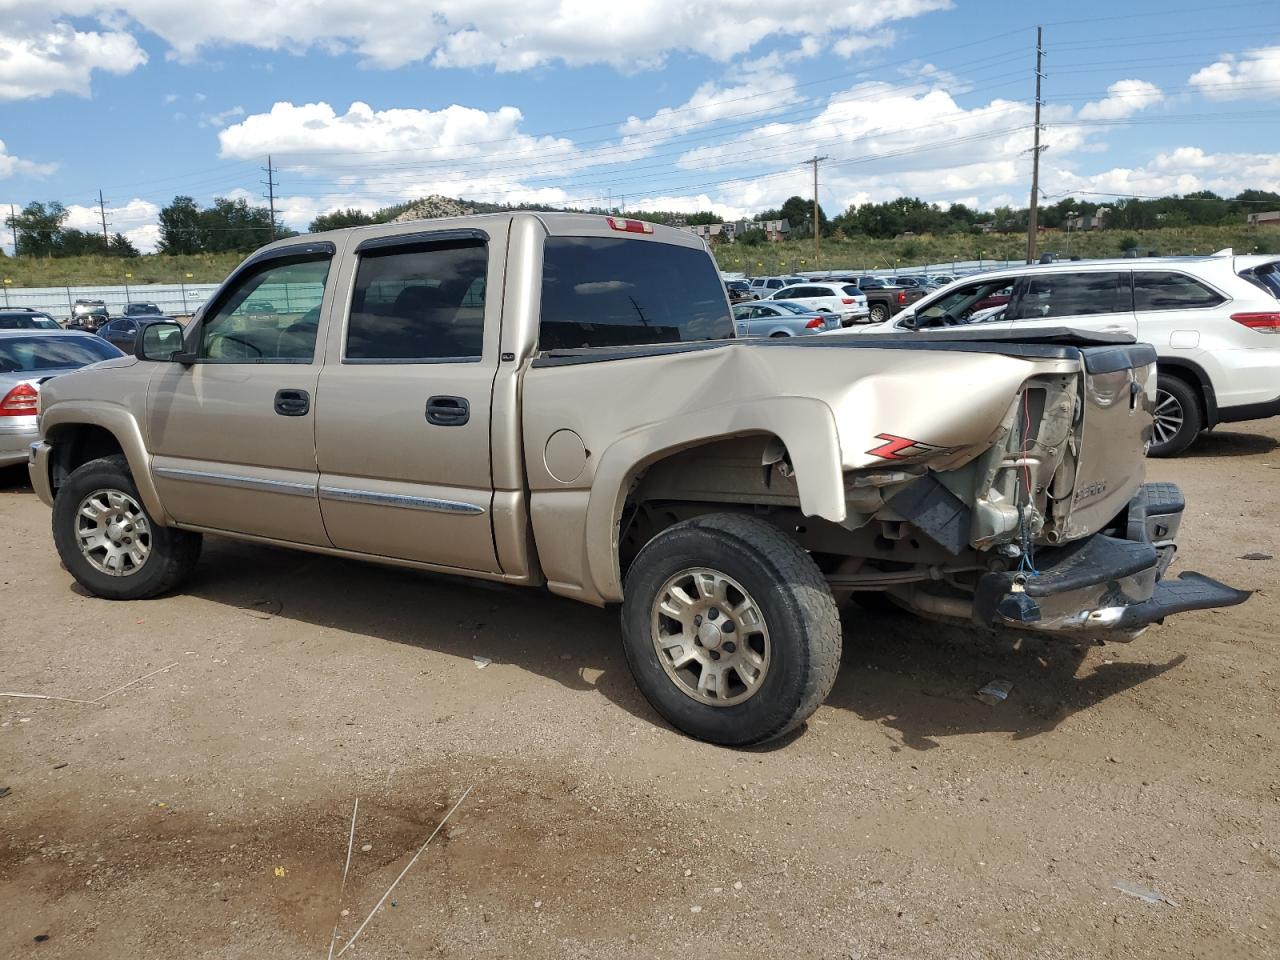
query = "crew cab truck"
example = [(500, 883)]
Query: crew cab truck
[(556, 400)]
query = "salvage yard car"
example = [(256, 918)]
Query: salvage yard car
[(557, 399)]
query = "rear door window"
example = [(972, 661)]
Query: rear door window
[(610, 292), (1154, 290), (419, 303), (1053, 295)]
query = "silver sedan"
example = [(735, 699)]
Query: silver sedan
[(781, 318), (27, 359)]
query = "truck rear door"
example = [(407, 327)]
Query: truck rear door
[(402, 425)]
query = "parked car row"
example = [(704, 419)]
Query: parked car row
[(1214, 322)]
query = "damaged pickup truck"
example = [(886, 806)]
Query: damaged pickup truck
[(557, 400)]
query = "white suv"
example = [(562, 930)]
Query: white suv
[(1214, 321), (763, 287), (843, 299)]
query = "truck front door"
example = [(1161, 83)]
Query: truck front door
[(402, 428), (233, 434)]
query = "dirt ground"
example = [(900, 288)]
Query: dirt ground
[(205, 811)]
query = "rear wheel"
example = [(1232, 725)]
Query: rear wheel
[(879, 313), (1176, 420), (730, 629), (778, 334), (109, 542)]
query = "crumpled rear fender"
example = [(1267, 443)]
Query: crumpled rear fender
[(805, 426)]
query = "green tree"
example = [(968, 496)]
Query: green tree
[(79, 243), (39, 228), (337, 219), (798, 211), (121, 246), (180, 228)]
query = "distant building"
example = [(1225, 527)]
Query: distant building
[(988, 227), (1090, 221), (1269, 219), (774, 230)]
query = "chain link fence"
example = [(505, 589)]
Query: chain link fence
[(174, 299)]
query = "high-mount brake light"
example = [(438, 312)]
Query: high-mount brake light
[(629, 226)]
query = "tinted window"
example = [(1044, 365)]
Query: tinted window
[(851, 290), (604, 292), (271, 315), (421, 302), (1070, 295), (1170, 291), (23, 354), (1266, 276)]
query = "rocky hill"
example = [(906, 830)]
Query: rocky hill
[(434, 206)]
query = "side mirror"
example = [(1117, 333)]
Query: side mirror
[(909, 322), (162, 342)]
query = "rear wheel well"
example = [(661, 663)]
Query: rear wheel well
[(75, 445), (1197, 383)]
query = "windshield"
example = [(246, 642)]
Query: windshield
[(136, 309), (30, 354)]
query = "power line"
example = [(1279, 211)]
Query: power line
[(1033, 209), (270, 184), (102, 211)]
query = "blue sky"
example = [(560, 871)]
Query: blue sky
[(674, 104)]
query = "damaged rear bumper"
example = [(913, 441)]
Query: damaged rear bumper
[(1108, 586)]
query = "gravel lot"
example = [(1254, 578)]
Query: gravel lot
[(205, 811)]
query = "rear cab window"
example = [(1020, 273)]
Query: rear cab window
[(613, 292)]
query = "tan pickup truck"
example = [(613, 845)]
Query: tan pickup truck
[(556, 400)]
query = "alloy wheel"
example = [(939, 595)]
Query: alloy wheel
[(1167, 417), (113, 532), (710, 637)]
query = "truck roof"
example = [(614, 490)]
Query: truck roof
[(556, 224)]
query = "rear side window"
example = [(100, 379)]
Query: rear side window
[(29, 354), (1071, 295), (612, 292), (1170, 291), (851, 290), (419, 303), (1266, 276)]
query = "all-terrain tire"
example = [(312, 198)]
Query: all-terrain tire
[(793, 599), (1177, 403), (171, 553)]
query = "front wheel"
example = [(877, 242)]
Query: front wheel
[(730, 630), (1176, 419), (110, 543)]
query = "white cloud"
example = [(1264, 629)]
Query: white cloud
[(221, 119), (1124, 98), (761, 92), (135, 219), (12, 166), (1254, 74), (503, 34), (850, 46), (56, 58), (1179, 171)]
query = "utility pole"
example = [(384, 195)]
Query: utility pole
[(817, 223), (13, 225), (270, 184), (1033, 210), (102, 210)]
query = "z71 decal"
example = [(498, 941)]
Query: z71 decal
[(904, 448)]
